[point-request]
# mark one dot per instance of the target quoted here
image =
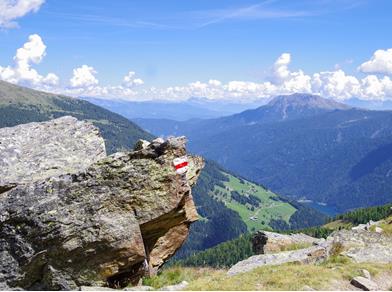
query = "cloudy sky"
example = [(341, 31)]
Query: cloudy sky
[(175, 49)]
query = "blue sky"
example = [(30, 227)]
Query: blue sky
[(175, 43)]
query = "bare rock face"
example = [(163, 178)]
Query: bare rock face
[(265, 242), (107, 224), (314, 254), (39, 150)]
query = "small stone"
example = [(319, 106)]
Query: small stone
[(177, 287), (158, 141), (139, 288), (307, 288), (95, 288), (366, 274), (141, 144), (364, 284), (378, 229)]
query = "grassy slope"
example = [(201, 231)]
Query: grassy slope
[(334, 274), (269, 208)]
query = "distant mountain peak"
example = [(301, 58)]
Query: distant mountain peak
[(306, 101)]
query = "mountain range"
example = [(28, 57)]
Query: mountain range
[(193, 108), (302, 146)]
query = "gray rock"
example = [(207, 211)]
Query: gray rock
[(309, 255), (364, 246), (364, 284), (141, 144), (366, 274), (264, 242), (96, 288), (177, 287), (119, 219), (139, 288), (40, 150), (307, 288)]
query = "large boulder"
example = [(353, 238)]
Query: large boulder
[(264, 242), (36, 151), (310, 255), (94, 221)]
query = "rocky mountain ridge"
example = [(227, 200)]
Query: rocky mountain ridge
[(107, 222)]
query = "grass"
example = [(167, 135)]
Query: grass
[(176, 275), (329, 275), (338, 224), (269, 208), (387, 226), (295, 246)]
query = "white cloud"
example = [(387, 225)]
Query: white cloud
[(32, 52), (335, 84), (83, 77), (10, 10), (280, 71), (129, 80), (381, 63)]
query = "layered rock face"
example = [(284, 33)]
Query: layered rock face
[(107, 222)]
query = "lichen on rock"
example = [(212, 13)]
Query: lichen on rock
[(109, 223)]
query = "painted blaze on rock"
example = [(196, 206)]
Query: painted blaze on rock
[(118, 219)]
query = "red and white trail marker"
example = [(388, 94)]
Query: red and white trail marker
[(181, 164)]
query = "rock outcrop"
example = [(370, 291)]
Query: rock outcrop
[(362, 245), (90, 220), (309, 255), (264, 242), (36, 151)]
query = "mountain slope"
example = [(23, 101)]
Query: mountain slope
[(241, 247), (19, 105), (223, 199), (324, 152)]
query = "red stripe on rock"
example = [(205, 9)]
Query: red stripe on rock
[(181, 165)]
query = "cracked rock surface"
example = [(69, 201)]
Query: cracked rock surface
[(95, 220)]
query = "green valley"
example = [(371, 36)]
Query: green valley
[(237, 195)]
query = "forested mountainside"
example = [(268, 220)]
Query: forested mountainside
[(19, 105), (223, 199), (230, 252), (301, 146)]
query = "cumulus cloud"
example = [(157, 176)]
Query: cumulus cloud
[(380, 63), (32, 52), (85, 83), (10, 10), (335, 84), (129, 80), (83, 77)]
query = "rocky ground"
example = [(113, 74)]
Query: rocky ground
[(355, 259)]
